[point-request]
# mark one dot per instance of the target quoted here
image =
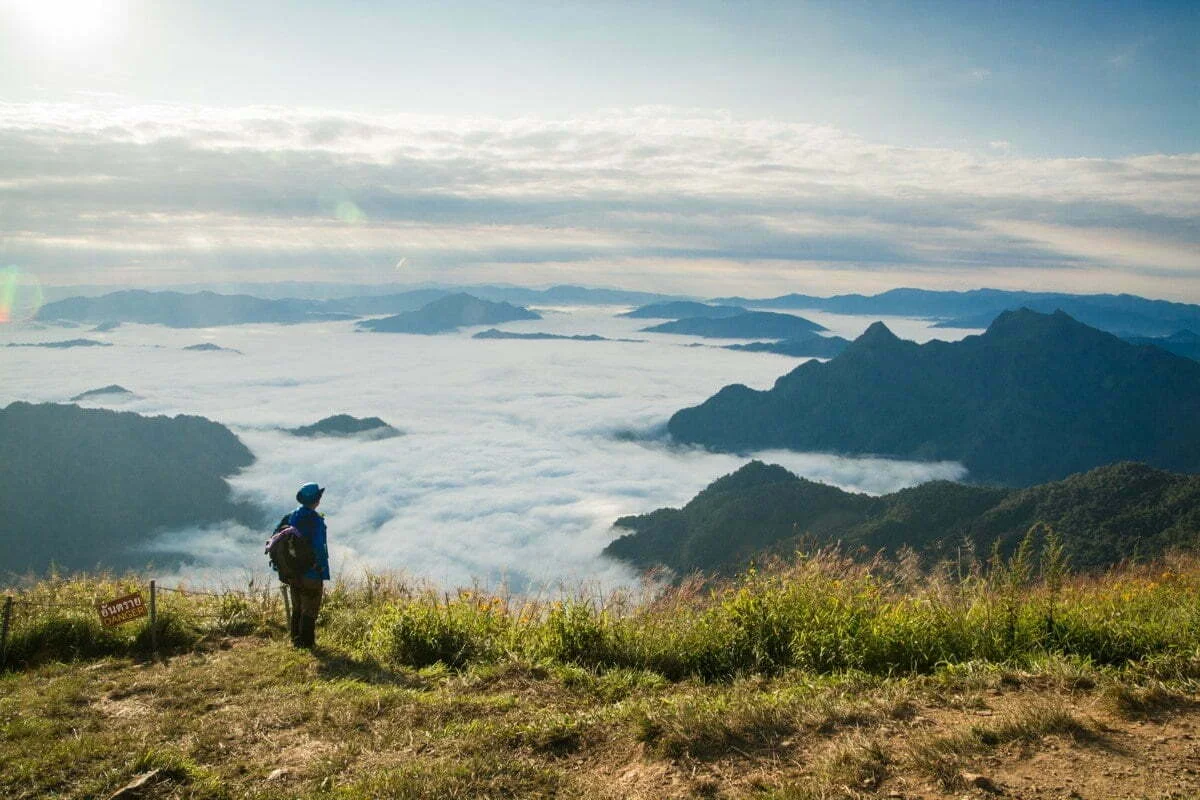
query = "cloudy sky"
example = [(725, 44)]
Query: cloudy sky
[(703, 148)]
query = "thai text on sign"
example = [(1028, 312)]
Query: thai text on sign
[(123, 609)]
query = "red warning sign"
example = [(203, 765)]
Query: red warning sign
[(123, 609)]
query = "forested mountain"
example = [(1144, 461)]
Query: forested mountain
[(448, 314), (1035, 398), (1121, 511), (746, 325), (85, 487)]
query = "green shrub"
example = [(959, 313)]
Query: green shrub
[(63, 637), (421, 633)]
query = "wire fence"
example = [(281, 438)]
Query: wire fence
[(212, 607)]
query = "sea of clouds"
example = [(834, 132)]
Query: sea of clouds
[(516, 457)]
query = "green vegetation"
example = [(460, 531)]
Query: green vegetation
[(1112, 514), (824, 614), (820, 678), (122, 473)]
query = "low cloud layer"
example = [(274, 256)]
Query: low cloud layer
[(654, 198), (513, 466)]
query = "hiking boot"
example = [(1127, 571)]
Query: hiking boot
[(308, 633)]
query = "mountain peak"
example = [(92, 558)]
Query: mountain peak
[(877, 334), (1026, 319)]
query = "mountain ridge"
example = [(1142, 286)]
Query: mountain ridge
[(126, 476), (1115, 512), (1034, 398)]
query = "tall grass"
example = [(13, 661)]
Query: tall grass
[(55, 618), (824, 613)]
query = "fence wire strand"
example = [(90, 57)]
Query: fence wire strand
[(196, 593)]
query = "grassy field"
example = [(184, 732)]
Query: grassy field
[(815, 679)]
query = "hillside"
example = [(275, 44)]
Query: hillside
[(1104, 516), (85, 487), (746, 325), (824, 680), (448, 314), (1035, 398)]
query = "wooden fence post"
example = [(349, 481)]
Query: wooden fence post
[(4, 626), (153, 621), (287, 604)]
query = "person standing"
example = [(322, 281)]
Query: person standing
[(310, 588)]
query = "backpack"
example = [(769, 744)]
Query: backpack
[(290, 552)]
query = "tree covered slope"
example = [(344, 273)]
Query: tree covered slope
[(85, 487), (1035, 398), (1121, 511)]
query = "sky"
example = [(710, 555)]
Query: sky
[(704, 148), (516, 456)]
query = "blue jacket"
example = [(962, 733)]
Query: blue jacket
[(312, 526)]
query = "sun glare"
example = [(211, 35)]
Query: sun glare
[(66, 25)]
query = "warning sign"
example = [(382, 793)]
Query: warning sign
[(123, 609)]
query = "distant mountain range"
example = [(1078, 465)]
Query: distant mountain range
[(1182, 343), (209, 347), (1035, 398), (1115, 512), (1122, 314), (63, 345), (745, 325), (448, 314), (203, 309), (1126, 315), (176, 310), (85, 487)]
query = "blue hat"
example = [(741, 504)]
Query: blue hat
[(309, 493)]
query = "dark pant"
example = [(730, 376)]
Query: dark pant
[(306, 604)]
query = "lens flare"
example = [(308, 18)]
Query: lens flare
[(348, 211), (20, 295)]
